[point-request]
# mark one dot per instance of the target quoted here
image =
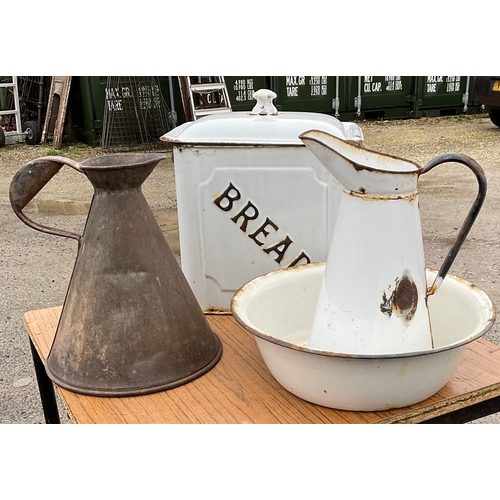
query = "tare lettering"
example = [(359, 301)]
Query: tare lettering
[(292, 85), (434, 82)]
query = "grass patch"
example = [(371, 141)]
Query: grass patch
[(53, 152)]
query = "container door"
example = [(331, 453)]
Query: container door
[(383, 97), (319, 94), (86, 108), (445, 95)]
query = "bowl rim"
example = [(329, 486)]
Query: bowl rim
[(235, 308)]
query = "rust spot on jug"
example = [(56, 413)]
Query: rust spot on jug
[(403, 299)]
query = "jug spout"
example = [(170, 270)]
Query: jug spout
[(361, 170), (133, 170)]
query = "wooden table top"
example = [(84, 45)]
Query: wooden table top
[(240, 388)]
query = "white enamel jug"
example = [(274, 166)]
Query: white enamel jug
[(373, 299)]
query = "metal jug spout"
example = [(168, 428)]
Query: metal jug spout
[(362, 170)]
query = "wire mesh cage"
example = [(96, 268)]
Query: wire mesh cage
[(135, 114)]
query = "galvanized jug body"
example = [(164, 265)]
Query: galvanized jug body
[(130, 323), (373, 299)]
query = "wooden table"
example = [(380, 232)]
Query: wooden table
[(240, 389)]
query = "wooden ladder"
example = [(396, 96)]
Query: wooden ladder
[(56, 110), (207, 96)]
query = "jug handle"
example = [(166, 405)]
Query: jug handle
[(29, 180), (471, 216)]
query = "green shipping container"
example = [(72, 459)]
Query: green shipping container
[(89, 96), (446, 95), (241, 89), (383, 97), (319, 94), (85, 112)]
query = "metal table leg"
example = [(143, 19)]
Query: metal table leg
[(46, 389), (468, 414)]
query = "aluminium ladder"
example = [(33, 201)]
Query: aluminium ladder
[(13, 136), (204, 98), (28, 132)]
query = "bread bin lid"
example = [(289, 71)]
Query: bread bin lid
[(263, 126)]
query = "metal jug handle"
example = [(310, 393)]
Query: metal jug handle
[(29, 180), (471, 216)]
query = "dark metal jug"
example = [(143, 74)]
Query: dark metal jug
[(130, 323)]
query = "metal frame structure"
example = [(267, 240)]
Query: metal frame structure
[(13, 136), (30, 130)]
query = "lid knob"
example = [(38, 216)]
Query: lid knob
[(264, 104)]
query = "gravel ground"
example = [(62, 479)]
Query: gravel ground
[(36, 267)]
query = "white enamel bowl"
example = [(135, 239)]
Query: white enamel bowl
[(278, 309)]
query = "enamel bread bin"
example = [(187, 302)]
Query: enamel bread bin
[(251, 197)]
